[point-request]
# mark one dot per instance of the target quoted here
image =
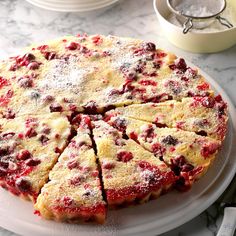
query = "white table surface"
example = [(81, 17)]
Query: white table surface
[(21, 24)]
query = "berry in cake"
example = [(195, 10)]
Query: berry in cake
[(130, 174), (73, 192), (188, 154), (204, 115), (29, 149)]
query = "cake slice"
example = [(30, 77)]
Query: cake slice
[(130, 174), (203, 115), (188, 154), (73, 192), (29, 148)]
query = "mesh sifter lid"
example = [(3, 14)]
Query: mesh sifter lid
[(198, 10)]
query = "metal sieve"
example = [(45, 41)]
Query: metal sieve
[(198, 13)]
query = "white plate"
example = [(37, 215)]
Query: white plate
[(155, 217), (72, 6)]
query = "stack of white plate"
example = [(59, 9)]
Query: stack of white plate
[(72, 5)]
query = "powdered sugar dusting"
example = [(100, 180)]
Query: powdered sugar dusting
[(147, 174), (65, 74), (122, 52), (126, 59)]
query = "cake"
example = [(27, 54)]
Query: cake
[(74, 188), (188, 154), (205, 116), (129, 172), (95, 122), (30, 146)]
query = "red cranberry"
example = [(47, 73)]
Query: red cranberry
[(4, 151), (43, 139), (150, 177), (182, 185), (149, 133), (134, 136), (124, 156), (114, 92), (29, 57), (46, 130), (55, 107), (120, 124), (77, 180), (181, 64), (157, 149), (48, 98), (179, 164), (57, 150), (25, 82), (49, 55), (209, 149), (3, 172), (82, 143), (72, 46), (32, 162), (8, 135), (208, 102), (91, 107), (170, 140), (187, 168), (149, 46), (131, 76), (84, 50), (221, 109), (140, 67), (218, 98), (156, 65), (9, 114), (148, 82), (76, 120), (68, 201), (97, 40), (33, 65), (108, 165), (203, 86), (23, 155), (4, 164), (145, 165), (72, 164), (174, 86), (23, 185), (30, 133), (13, 67), (42, 47)]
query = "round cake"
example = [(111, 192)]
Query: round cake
[(95, 122)]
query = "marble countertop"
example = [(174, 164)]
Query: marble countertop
[(21, 24)]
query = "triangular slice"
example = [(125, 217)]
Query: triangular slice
[(189, 155), (129, 172), (74, 190), (30, 146), (203, 115)]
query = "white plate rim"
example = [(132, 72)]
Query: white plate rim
[(75, 8), (189, 212)]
